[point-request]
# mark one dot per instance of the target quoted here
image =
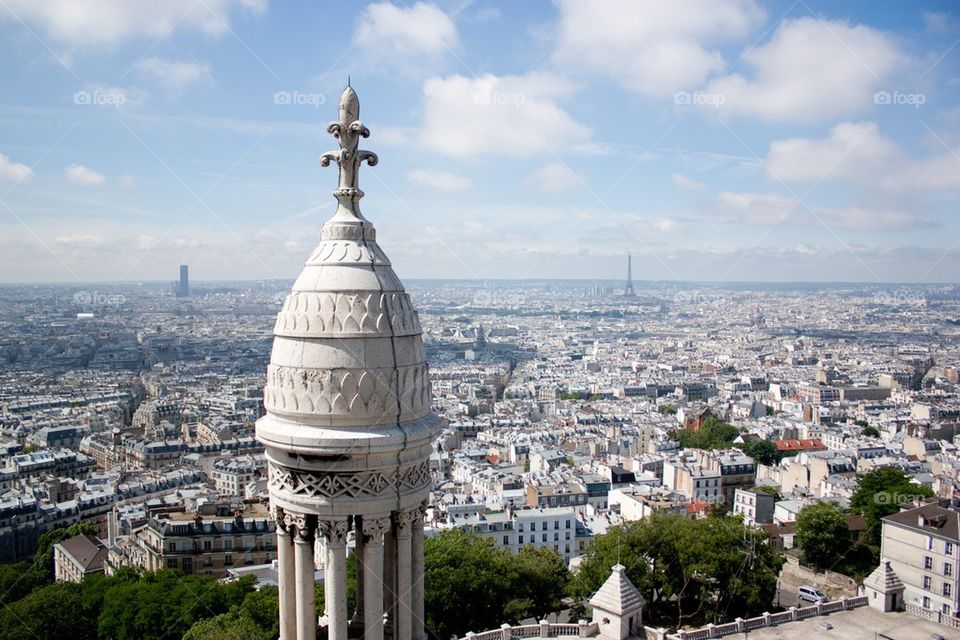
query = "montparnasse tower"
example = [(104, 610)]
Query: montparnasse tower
[(348, 426)]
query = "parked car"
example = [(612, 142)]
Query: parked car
[(811, 594)]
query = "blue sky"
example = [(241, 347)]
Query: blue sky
[(712, 139)]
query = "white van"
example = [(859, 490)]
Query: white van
[(810, 594)]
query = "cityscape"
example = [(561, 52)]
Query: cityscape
[(495, 403)]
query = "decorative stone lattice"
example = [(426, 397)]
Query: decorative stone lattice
[(349, 485)]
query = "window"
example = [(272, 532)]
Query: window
[(947, 569), (228, 544), (927, 563), (556, 537), (930, 543), (945, 609), (568, 524), (948, 548), (946, 589), (506, 540), (172, 546), (520, 539), (556, 524), (520, 528), (171, 563), (544, 537), (926, 582), (926, 602), (206, 545)]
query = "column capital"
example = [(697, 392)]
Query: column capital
[(280, 517), (301, 526), (403, 520), (333, 531), (374, 528)]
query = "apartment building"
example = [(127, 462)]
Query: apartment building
[(923, 546)]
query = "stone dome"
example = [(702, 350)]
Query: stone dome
[(348, 427)]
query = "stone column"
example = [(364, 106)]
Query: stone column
[(286, 578), (373, 531), (416, 596), (390, 582), (305, 583), (335, 577), (403, 530), (357, 615)]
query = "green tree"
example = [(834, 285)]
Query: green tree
[(712, 434), (822, 533), (470, 585), (227, 626), (690, 571), (54, 611), (879, 493), (762, 451), (872, 432), (667, 409)]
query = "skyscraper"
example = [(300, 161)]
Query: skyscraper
[(183, 290), (348, 428), (628, 292)]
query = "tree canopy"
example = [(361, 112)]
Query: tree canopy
[(822, 533), (469, 585), (880, 492), (762, 451), (712, 434), (690, 571)]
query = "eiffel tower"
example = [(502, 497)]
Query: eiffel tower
[(628, 292)]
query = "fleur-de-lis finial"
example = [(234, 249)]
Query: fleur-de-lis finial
[(348, 130)]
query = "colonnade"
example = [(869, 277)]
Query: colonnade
[(389, 581)]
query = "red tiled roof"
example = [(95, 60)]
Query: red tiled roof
[(804, 444)]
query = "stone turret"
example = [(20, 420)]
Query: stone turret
[(618, 606), (348, 428)]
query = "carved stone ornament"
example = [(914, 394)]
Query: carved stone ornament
[(333, 531), (375, 528)]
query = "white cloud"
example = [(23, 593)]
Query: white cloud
[(412, 41), (504, 115), (858, 153), (666, 225), (556, 176), (810, 69), (439, 180), (84, 176), (80, 240), (174, 75), (11, 171), (651, 47), (109, 22), (937, 21), (773, 208), (683, 182), (756, 208)]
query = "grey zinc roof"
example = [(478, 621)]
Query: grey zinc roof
[(86, 550), (618, 595)]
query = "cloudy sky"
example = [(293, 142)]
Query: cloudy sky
[(713, 139)]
